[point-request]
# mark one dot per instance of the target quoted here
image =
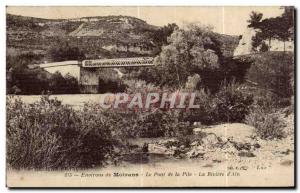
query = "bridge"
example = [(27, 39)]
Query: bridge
[(73, 67), (118, 62), (87, 72), (103, 63)]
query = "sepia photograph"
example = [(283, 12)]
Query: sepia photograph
[(150, 96)]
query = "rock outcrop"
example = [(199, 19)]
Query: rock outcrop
[(245, 44)]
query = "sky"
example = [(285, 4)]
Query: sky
[(225, 20)]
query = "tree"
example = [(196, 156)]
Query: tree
[(255, 18), (286, 25), (59, 84), (281, 27), (162, 34), (196, 49), (185, 52), (21, 79)]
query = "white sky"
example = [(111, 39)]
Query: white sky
[(226, 20)]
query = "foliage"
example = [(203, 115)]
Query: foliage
[(192, 82), (21, 79), (195, 49), (65, 52), (255, 18), (109, 81), (267, 125), (281, 27), (273, 71), (203, 113), (162, 34), (48, 135), (140, 86), (20, 61), (185, 52), (156, 123), (231, 104), (62, 85), (24, 80)]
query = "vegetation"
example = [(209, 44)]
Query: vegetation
[(48, 135), (109, 81), (65, 52), (268, 125), (230, 104), (193, 51), (26, 81), (281, 28), (272, 71)]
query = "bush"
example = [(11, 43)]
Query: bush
[(23, 80), (148, 124), (268, 101), (267, 125), (59, 84), (203, 114), (109, 81), (48, 135), (230, 104), (140, 86)]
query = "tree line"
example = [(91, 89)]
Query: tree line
[(281, 28)]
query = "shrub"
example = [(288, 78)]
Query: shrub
[(59, 84), (140, 86), (267, 125), (48, 135), (231, 104), (109, 81), (156, 123), (202, 114), (23, 80)]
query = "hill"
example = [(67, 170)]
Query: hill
[(97, 37)]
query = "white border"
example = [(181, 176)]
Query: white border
[(3, 3)]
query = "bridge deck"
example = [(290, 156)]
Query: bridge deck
[(104, 63), (118, 62)]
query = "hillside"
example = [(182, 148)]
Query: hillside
[(94, 35), (271, 71), (97, 37)]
